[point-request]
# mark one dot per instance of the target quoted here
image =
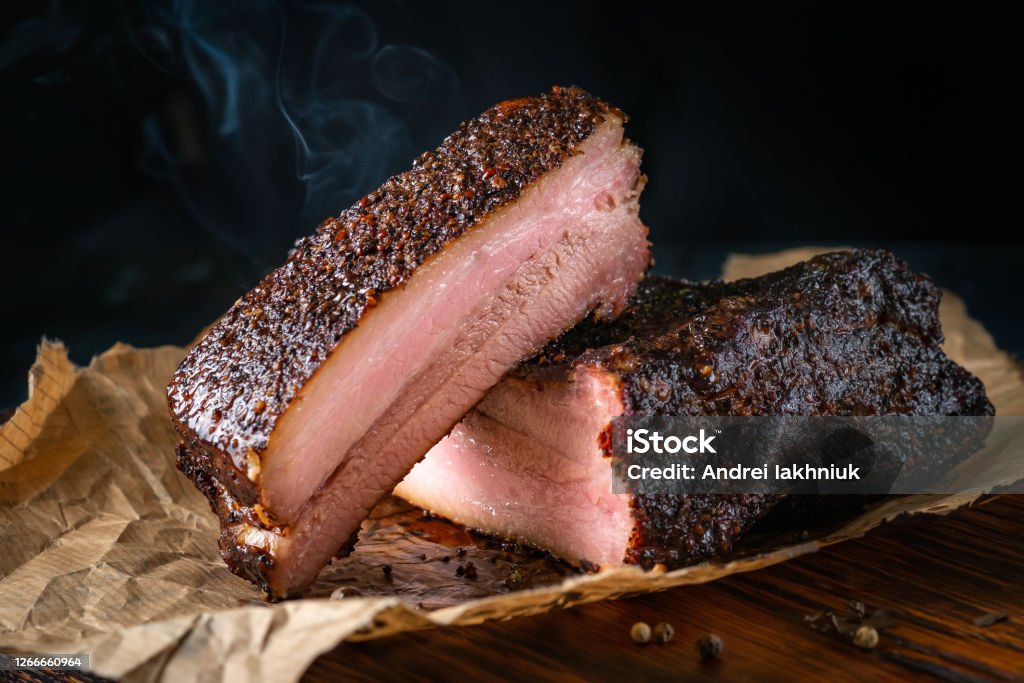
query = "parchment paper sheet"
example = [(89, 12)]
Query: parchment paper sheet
[(106, 549)]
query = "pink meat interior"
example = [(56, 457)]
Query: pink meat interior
[(527, 465)]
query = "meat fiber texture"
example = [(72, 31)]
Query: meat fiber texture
[(844, 333), (320, 388)]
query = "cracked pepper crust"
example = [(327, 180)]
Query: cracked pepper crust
[(845, 333), (238, 380)]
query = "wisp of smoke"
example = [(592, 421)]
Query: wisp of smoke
[(286, 115)]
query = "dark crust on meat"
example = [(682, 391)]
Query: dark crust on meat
[(245, 560), (248, 560), (675, 531), (233, 386), (845, 333)]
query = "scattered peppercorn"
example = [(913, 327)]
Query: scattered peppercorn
[(460, 571), (663, 633), (856, 611), (446, 558), (640, 633), (866, 637), (828, 622), (461, 552), (709, 646), (387, 571), (423, 557), (470, 570)]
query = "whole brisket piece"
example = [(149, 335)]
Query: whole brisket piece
[(845, 333), (320, 388)]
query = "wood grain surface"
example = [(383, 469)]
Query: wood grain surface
[(934, 576)]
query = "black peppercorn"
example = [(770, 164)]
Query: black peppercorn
[(709, 646)]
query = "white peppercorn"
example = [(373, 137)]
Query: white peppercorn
[(640, 633)]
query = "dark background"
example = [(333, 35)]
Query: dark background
[(159, 157)]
